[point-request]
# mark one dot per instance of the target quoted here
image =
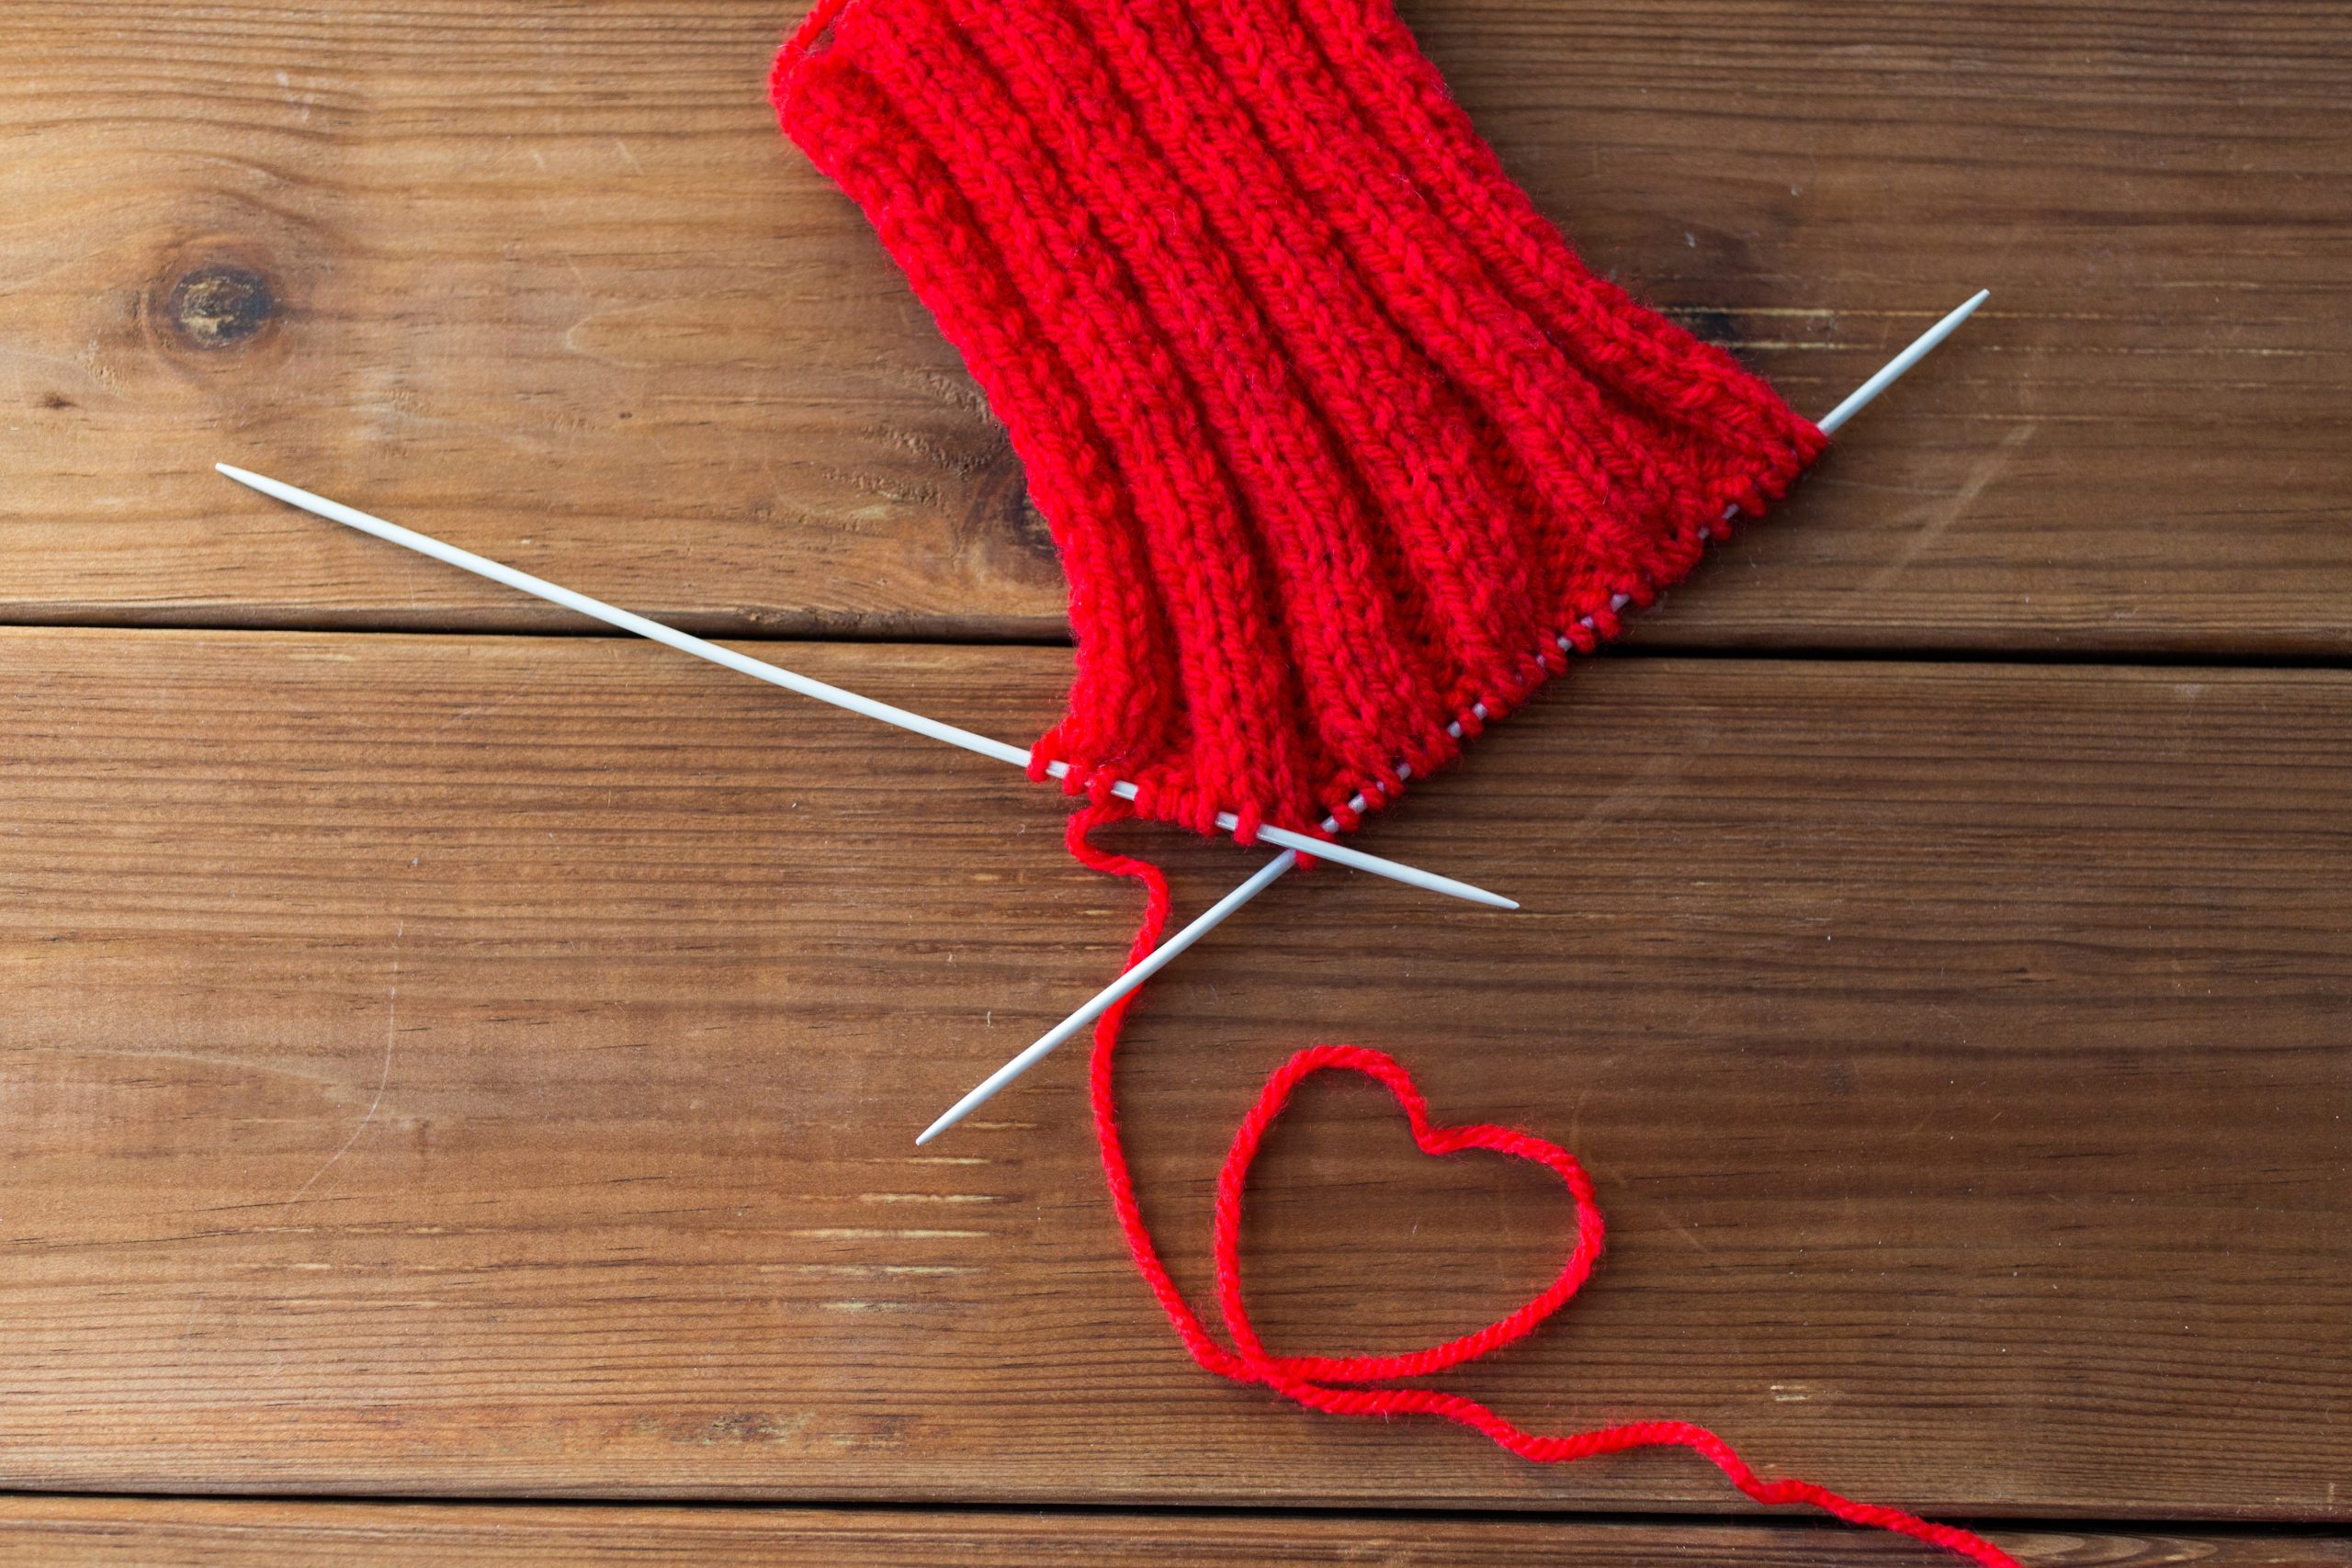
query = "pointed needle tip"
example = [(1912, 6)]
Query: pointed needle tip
[(928, 1133), (1470, 893), (1474, 894)]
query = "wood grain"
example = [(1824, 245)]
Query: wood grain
[(68, 1533), (544, 280), (488, 1066)]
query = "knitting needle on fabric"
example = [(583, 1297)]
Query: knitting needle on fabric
[(1282, 865), (776, 675)]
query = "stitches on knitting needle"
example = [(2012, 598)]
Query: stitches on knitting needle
[(1274, 870)]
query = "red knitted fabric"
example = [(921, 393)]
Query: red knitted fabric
[(1344, 449)]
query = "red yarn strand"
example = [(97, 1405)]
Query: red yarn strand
[(1311, 1380)]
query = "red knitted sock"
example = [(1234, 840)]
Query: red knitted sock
[(1343, 447), (1345, 452)]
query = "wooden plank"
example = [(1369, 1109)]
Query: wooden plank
[(546, 282), (74, 1532), (433, 1065)]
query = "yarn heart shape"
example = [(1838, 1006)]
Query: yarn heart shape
[(1431, 1139), (1364, 1386)]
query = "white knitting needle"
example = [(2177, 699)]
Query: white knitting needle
[(1275, 869), (776, 675), (1891, 371)]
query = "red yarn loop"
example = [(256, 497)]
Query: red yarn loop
[(1362, 1385), (1432, 1140)]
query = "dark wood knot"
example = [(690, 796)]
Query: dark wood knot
[(220, 305)]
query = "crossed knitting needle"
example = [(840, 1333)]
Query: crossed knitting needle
[(776, 676), (1282, 865)]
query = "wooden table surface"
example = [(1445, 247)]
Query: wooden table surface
[(457, 1073)]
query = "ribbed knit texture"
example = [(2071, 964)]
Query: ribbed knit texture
[(1344, 449)]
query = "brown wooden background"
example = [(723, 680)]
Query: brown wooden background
[(441, 1060)]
